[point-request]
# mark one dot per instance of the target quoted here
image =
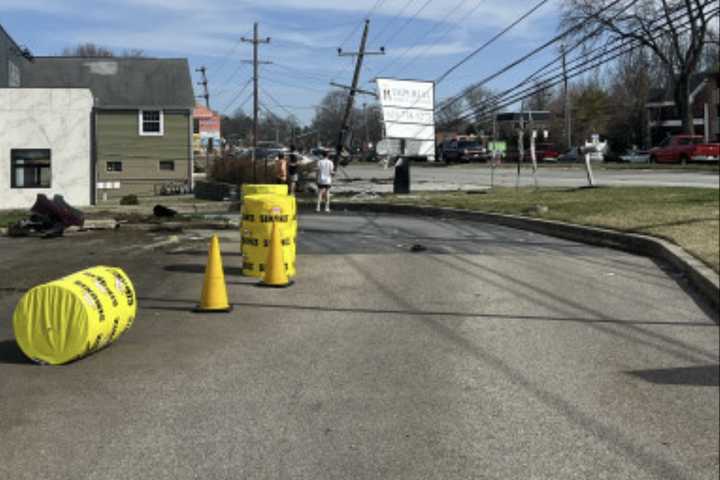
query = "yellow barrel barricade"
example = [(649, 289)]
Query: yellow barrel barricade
[(259, 214), (264, 189), (69, 318)]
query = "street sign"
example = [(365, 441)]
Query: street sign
[(408, 108)]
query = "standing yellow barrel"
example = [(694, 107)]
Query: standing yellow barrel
[(264, 189), (74, 316), (259, 214)]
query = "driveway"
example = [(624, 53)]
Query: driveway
[(490, 353)]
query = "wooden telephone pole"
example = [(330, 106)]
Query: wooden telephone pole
[(360, 54), (204, 83), (256, 106)]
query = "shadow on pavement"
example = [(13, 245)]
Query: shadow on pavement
[(11, 353), (702, 376), (422, 313), (202, 253), (194, 268)]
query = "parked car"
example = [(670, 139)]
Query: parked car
[(635, 156), (683, 149), (454, 151), (574, 155), (546, 152)]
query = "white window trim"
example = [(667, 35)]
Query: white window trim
[(151, 134)]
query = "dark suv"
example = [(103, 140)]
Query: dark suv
[(454, 151)]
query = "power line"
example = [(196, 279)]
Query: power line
[(379, 35), (492, 40), (584, 58), (408, 22), (458, 9), (579, 70), (277, 103), (296, 86), (513, 64), (242, 89), (372, 10)]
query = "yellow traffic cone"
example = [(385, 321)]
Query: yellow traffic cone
[(214, 293), (275, 272)]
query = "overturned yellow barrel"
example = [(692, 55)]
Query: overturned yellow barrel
[(264, 189), (74, 316), (259, 214)]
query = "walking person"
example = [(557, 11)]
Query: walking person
[(281, 169), (293, 170), (325, 172)]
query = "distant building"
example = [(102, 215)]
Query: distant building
[(141, 119), (207, 141), (45, 144), (13, 60), (206, 130), (705, 100)]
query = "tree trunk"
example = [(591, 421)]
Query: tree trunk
[(682, 104)]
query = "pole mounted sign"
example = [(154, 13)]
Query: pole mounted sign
[(408, 108)]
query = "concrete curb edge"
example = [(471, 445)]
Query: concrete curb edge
[(702, 278)]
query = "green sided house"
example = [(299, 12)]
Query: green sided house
[(142, 119)]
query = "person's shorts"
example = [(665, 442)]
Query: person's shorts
[(324, 186), (293, 178)]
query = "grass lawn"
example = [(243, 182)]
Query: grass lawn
[(11, 216), (689, 217)]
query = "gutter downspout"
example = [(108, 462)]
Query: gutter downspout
[(93, 155), (191, 156)]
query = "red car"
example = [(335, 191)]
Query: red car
[(683, 149), (546, 152)]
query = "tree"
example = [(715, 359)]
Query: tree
[(630, 81), (329, 117), (673, 30), (541, 98), (90, 49), (591, 109)]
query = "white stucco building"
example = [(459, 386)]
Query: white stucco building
[(45, 145)]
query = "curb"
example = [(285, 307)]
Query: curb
[(702, 278)]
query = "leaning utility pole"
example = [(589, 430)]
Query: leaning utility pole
[(345, 125), (568, 131), (255, 41), (204, 83)]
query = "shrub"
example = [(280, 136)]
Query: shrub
[(238, 170), (129, 200)]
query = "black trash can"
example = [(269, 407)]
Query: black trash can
[(401, 182)]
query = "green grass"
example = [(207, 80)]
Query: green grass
[(11, 216), (610, 166), (689, 217)]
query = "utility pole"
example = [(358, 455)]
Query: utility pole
[(204, 83), (367, 132), (345, 125), (568, 130), (256, 105)]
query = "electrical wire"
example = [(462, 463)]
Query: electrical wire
[(517, 62), (242, 89), (579, 70), (448, 30), (583, 59)]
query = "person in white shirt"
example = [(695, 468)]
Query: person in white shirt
[(325, 172)]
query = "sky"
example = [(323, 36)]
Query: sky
[(422, 40)]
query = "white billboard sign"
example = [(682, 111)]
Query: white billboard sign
[(409, 113)]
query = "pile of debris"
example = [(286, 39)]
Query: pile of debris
[(47, 219)]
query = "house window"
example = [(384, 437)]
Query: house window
[(30, 168), (196, 125), (167, 165), (151, 122), (13, 75), (114, 166)]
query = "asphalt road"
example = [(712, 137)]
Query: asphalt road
[(494, 353), (478, 176)]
